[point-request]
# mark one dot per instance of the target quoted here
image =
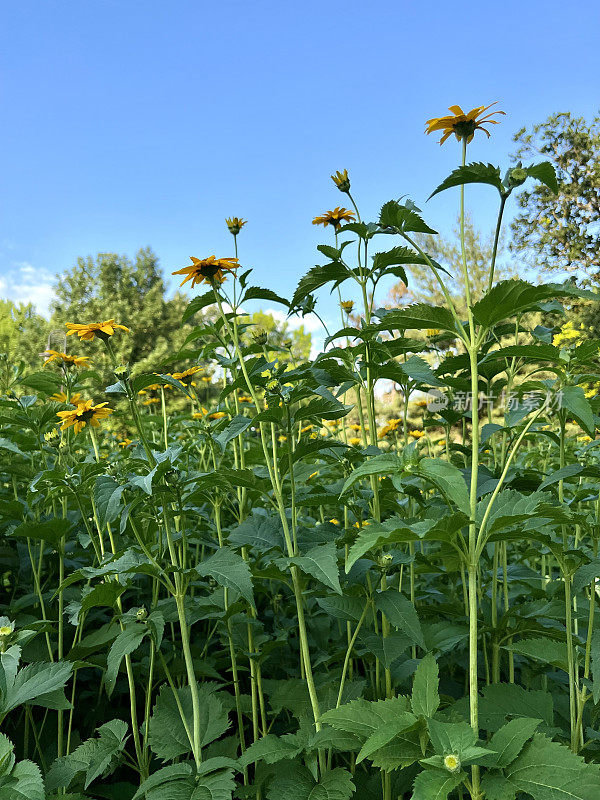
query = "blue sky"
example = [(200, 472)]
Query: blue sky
[(136, 123)]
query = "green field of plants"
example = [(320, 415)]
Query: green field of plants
[(245, 579)]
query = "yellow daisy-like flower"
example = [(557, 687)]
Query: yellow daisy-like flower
[(243, 398), (235, 224), (416, 434), (341, 180), (354, 426), (151, 401), (334, 217), (65, 359), (207, 270), (83, 414), (334, 521), (347, 306), (125, 443), (61, 397), (186, 377), (354, 440), (463, 125), (103, 330), (391, 426), (217, 415), (200, 414), (433, 331), (306, 429)]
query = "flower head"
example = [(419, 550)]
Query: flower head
[(83, 414), (416, 434), (61, 397), (347, 306), (462, 125), (125, 443), (341, 180), (104, 330), (391, 426), (64, 359), (187, 376), (452, 762), (235, 224), (207, 270), (335, 217)]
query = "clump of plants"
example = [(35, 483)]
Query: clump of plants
[(283, 595)]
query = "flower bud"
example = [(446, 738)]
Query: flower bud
[(452, 762)]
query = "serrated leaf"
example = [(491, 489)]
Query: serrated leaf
[(550, 771), (401, 613), (434, 785), (403, 721), (573, 399), (51, 531), (545, 173), (471, 173), (126, 642), (321, 563), (418, 316), (449, 479), (295, 782), (229, 569), (511, 738), (425, 698), (270, 749)]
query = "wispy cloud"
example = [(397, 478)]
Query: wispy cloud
[(24, 283)]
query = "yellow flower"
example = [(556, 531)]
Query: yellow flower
[(125, 443), (282, 438), (186, 376), (347, 306), (61, 397), (416, 434), (354, 440), (207, 270), (6, 630), (151, 401), (235, 224), (354, 426), (569, 334), (306, 429), (65, 359), (334, 217), (334, 521), (103, 330), (391, 426), (312, 475), (462, 125), (341, 180), (243, 398), (421, 403), (217, 415), (200, 414), (82, 414), (433, 331)]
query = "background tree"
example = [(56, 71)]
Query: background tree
[(133, 292), (423, 286), (23, 333), (561, 232)]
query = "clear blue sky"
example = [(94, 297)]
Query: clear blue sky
[(141, 122)]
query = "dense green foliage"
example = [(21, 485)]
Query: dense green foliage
[(273, 592)]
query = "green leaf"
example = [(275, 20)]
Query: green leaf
[(46, 382), (103, 594), (258, 531), (546, 650), (511, 738), (403, 721), (26, 783), (425, 699), (162, 777), (294, 781), (573, 399), (403, 217), (387, 649), (258, 293), (33, 681), (270, 749), (126, 642), (471, 173), (434, 785), (401, 613), (321, 563), (550, 771), (418, 316), (545, 173), (108, 499), (318, 276), (502, 700), (51, 531), (228, 569), (93, 757), (364, 717), (449, 479), (236, 427), (198, 303), (345, 608), (168, 738), (385, 464), (511, 297)]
